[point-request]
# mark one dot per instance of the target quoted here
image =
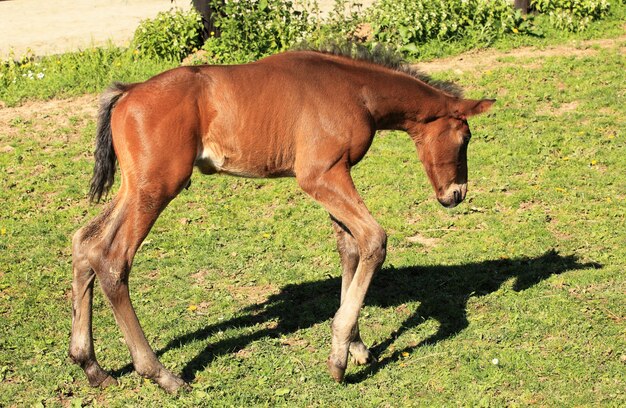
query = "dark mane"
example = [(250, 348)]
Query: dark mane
[(386, 57)]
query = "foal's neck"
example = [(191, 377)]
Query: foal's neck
[(398, 101)]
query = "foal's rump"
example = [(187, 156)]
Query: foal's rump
[(156, 128)]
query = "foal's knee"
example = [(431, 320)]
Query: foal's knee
[(348, 248), (374, 248)]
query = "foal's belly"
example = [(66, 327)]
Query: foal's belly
[(212, 159)]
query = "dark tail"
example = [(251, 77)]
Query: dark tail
[(104, 168)]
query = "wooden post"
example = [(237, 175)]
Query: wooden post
[(208, 19), (523, 5)]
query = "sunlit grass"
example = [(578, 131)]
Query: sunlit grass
[(238, 281)]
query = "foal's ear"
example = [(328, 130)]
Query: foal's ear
[(470, 107)]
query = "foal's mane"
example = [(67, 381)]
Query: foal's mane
[(386, 57)]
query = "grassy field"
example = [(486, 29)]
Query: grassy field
[(238, 281)]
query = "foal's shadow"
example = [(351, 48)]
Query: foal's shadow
[(443, 292)]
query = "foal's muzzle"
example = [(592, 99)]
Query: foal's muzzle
[(453, 196)]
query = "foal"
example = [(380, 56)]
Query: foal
[(304, 114)]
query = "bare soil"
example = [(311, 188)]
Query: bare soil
[(50, 27)]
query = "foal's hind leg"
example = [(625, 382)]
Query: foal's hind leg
[(112, 260), (349, 255), (81, 349)]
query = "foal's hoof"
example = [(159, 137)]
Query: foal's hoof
[(360, 355), (104, 382), (362, 358), (108, 382), (336, 370), (97, 377), (173, 384)]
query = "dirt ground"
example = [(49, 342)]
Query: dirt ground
[(49, 27), (56, 26)]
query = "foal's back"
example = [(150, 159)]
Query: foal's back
[(255, 119)]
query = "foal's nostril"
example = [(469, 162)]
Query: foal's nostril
[(457, 196)]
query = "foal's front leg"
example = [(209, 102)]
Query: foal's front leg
[(335, 190), (349, 255)]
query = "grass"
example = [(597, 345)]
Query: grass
[(74, 73), (238, 281)]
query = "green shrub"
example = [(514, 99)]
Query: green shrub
[(409, 23), (253, 29), (343, 23), (572, 15), (170, 35)]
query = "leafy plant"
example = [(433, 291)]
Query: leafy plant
[(409, 23), (343, 23), (253, 29), (572, 15), (170, 35), (16, 68)]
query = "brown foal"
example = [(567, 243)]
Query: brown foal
[(304, 114)]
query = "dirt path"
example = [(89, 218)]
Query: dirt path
[(51, 27), (48, 27)]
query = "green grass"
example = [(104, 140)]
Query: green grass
[(238, 281), (74, 73)]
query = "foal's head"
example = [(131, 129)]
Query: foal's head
[(442, 146)]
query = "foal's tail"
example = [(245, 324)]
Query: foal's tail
[(104, 168)]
